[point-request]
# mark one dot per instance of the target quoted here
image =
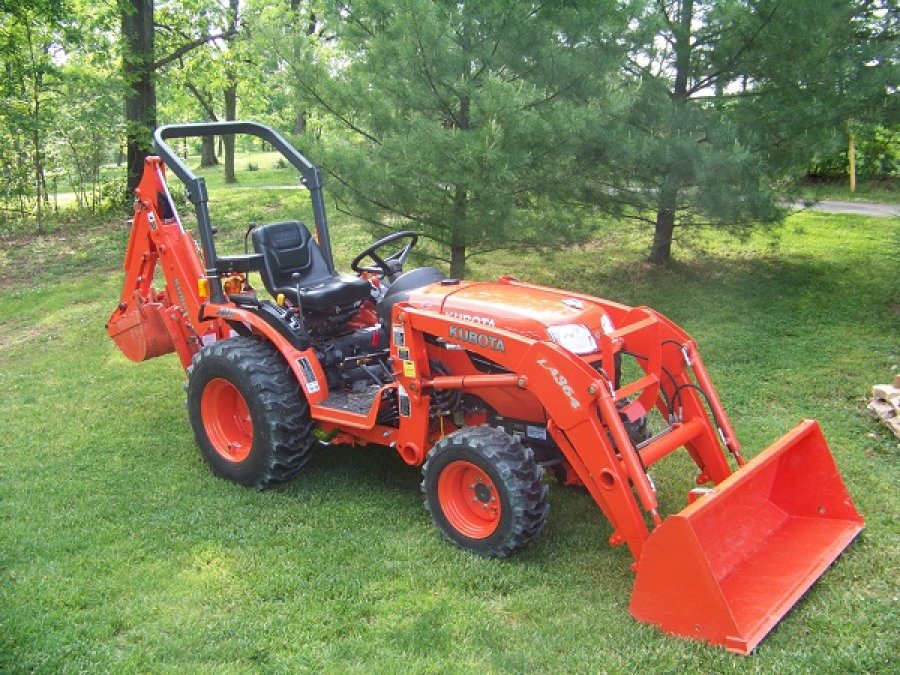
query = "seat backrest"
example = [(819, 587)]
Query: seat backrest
[(288, 248)]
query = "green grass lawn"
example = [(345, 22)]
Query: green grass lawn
[(119, 551)]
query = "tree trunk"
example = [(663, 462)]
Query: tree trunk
[(140, 88), (661, 249), (300, 121), (457, 261), (460, 206), (38, 175), (231, 99), (300, 103), (207, 143), (37, 156), (851, 158), (230, 114), (38, 159), (208, 151), (458, 235)]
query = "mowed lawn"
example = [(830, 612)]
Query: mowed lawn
[(119, 551)]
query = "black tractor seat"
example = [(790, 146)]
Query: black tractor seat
[(288, 249)]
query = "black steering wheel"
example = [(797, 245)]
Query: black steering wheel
[(388, 265)]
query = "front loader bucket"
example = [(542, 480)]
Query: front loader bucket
[(728, 567), (140, 332)]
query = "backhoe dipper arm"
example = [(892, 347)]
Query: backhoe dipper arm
[(148, 323)]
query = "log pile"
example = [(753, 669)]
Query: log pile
[(886, 404)]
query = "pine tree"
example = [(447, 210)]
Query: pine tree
[(731, 96), (461, 120)]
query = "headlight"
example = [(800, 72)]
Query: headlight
[(573, 336)]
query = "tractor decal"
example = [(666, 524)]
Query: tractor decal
[(483, 320), (476, 338), (312, 384), (562, 382)]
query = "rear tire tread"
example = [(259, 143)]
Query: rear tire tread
[(285, 424)]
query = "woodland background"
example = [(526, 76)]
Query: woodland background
[(485, 125)]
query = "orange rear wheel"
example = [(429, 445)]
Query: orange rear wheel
[(469, 499), (226, 419), (248, 413)]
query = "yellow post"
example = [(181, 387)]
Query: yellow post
[(851, 155)]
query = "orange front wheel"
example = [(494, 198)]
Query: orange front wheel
[(484, 491), (469, 499)]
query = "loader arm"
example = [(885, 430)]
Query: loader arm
[(580, 403), (726, 568)]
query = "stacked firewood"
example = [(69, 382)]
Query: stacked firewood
[(886, 404)]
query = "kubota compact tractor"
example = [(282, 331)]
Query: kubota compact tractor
[(483, 384)]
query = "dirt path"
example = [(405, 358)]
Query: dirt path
[(856, 208)]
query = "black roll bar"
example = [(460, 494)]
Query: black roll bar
[(196, 185)]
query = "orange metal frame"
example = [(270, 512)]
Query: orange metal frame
[(580, 403)]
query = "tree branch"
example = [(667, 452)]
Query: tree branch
[(203, 101), (709, 79), (190, 46), (661, 6), (350, 125), (384, 207), (442, 104)]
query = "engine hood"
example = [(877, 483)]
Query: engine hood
[(525, 310)]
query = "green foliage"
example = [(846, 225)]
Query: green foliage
[(810, 80), (450, 120), (60, 108), (733, 98), (190, 89), (28, 33), (485, 125), (877, 156), (85, 129)]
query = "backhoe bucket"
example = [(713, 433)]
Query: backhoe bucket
[(728, 567), (140, 332)]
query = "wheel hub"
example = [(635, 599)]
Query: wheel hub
[(226, 419), (482, 492), (468, 499)]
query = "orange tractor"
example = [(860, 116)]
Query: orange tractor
[(483, 385)]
